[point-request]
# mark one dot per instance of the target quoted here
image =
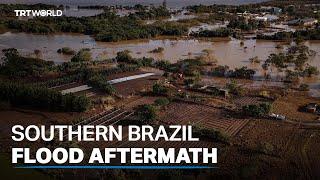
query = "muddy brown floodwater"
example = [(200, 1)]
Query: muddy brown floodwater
[(228, 53)]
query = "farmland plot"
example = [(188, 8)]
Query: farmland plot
[(205, 116)]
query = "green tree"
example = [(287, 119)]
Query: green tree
[(82, 56), (124, 56), (162, 101), (257, 110), (159, 89), (146, 113)]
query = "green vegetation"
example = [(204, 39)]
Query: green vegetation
[(15, 65), (162, 101), (159, 89), (163, 65), (82, 56), (66, 51), (254, 110), (277, 36), (222, 32), (146, 113), (124, 56), (153, 13), (100, 82), (242, 72), (157, 50), (103, 27), (79, 72), (310, 71), (234, 88), (210, 134), (300, 35), (40, 97), (219, 71), (296, 55), (189, 67), (241, 23)]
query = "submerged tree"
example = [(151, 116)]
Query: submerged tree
[(82, 56)]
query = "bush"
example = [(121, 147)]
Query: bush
[(15, 65), (124, 56), (146, 113), (256, 110), (234, 88), (311, 71), (163, 65), (162, 101), (210, 134), (222, 32), (66, 51), (157, 50), (98, 81), (82, 56), (158, 89), (220, 71), (243, 72), (146, 62)]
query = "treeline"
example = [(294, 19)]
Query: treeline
[(277, 36), (15, 65), (104, 27), (40, 97), (310, 34), (221, 32), (241, 23), (152, 13), (224, 71), (254, 8), (85, 74)]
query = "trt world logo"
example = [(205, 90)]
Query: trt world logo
[(35, 13)]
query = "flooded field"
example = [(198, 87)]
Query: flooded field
[(225, 52)]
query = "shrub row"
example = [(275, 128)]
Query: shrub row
[(40, 97)]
